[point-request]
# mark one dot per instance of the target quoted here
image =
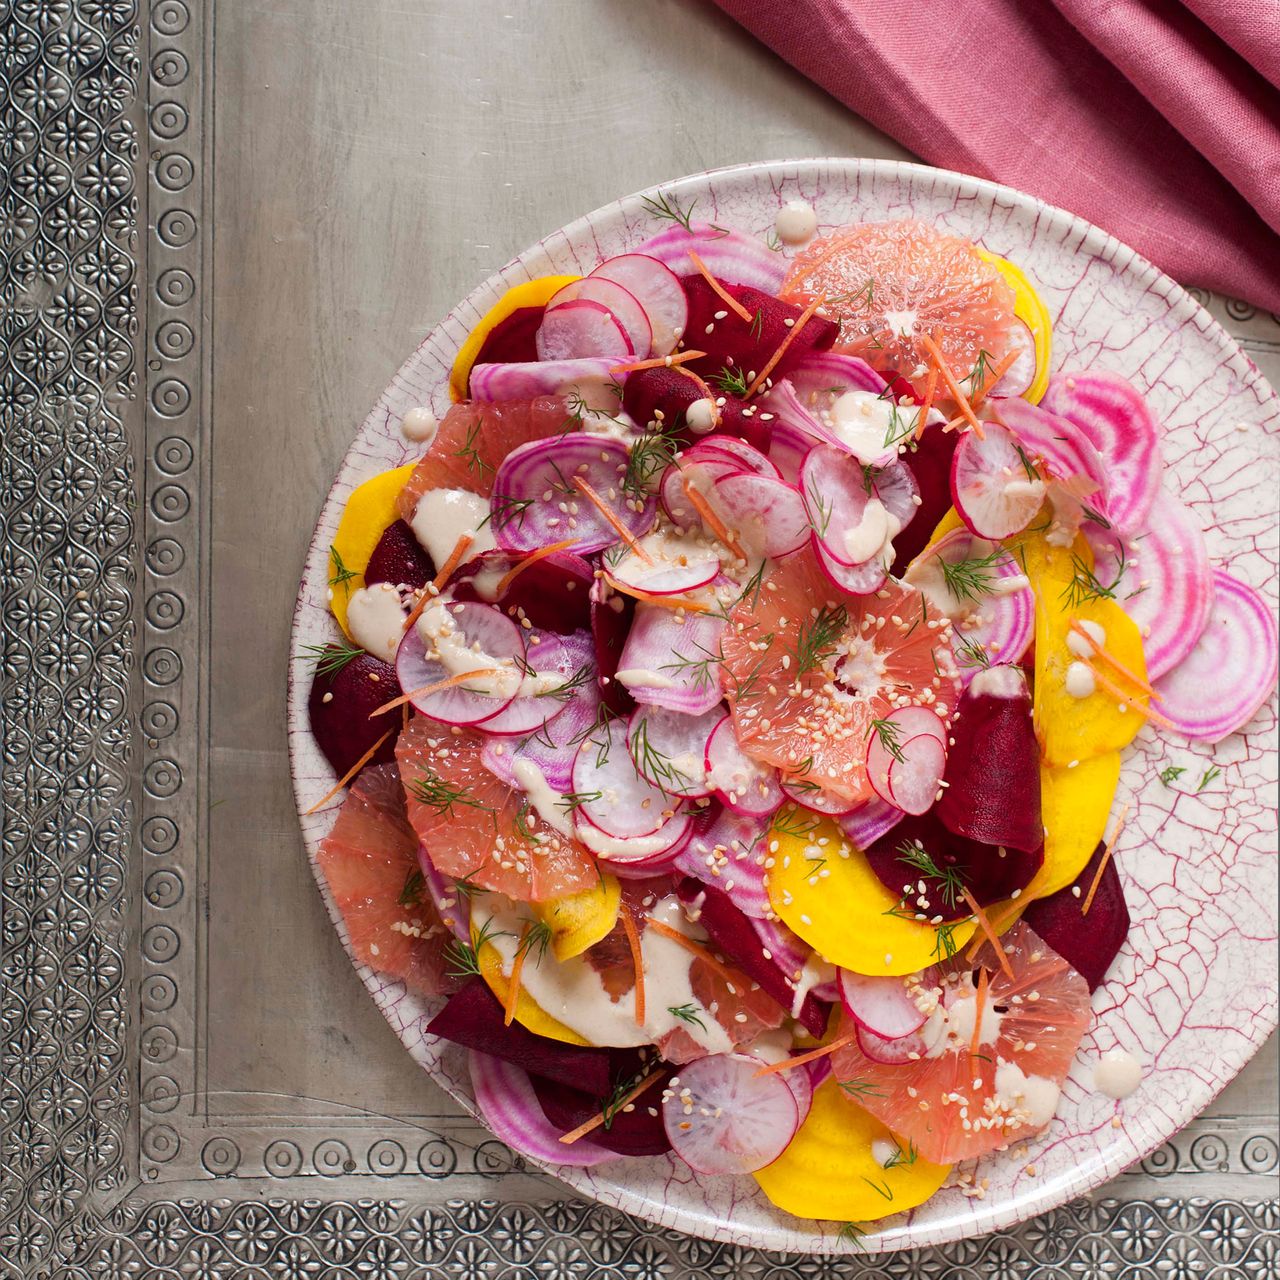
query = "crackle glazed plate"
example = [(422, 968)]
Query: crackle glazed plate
[(1193, 993)]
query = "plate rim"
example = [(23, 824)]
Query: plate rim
[(1109, 248)]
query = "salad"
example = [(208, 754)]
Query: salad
[(730, 705)]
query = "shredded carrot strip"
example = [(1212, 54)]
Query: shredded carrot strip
[(513, 988), (707, 393), (1102, 864), (460, 549), (996, 374), (605, 510), (637, 957), (695, 949), (596, 1121), (1113, 661), (427, 689), (350, 773), (404, 715), (805, 316), (709, 517), (1129, 699), (998, 922), (929, 388), (673, 361), (985, 925), (979, 1003), (541, 553), (957, 392), (801, 1058), (665, 602), (721, 292)]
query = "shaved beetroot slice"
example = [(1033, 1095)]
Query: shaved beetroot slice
[(513, 340), (992, 791), (611, 618), (472, 1017), (631, 1132), (984, 870), (1088, 943), (736, 936), (399, 559), (554, 593), (650, 392), (931, 466), (341, 725)]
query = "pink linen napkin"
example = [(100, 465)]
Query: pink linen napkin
[(1157, 120)]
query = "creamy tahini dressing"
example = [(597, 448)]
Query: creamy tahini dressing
[(872, 537), (638, 678), (797, 221), (1117, 1074), (1034, 1096), (547, 802), (815, 972), (442, 516), (864, 421), (1080, 681), (419, 425), (446, 642), (950, 1025), (700, 416), (1079, 646), (375, 619)]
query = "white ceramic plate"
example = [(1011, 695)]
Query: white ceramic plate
[(1193, 994)]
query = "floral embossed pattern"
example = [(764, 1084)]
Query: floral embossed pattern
[(1193, 991)]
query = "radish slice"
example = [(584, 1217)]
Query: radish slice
[(788, 448), (869, 821), (722, 1117), (788, 411), (767, 515), (887, 747), (657, 577), (540, 378), (800, 1082), (658, 290), (730, 256), (510, 1108), (672, 659), (909, 1048), (1058, 445), (527, 712), (619, 302), (1115, 419), (640, 857), (534, 484), (811, 796), (579, 329), (823, 376), (990, 487), (745, 785), (895, 486), (728, 855), (1019, 376), (615, 797), (858, 579), (1231, 671), (497, 643), (669, 748), (880, 1005), (453, 907), (747, 456), (1167, 586), (700, 474)]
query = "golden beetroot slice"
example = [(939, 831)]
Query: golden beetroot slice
[(991, 789)]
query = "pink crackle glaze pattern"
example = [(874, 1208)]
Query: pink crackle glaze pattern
[(1193, 994)]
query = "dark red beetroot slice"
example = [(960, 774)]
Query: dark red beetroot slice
[(980, 868), (667, 391), (511, 341), (399, 559), (931, 466), (747, 345), (553, 592), (734, 934), (1088, 943), (472, 1017), (630, 1133), (340, 723), (609, 629), (991, 786)]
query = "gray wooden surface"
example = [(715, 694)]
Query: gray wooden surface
[(371, 162)]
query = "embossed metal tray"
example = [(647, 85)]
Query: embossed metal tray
[(194, 1083)]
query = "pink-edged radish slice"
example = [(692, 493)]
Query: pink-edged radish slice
[(822, 376), (657, 289), (722, 1117), (858, 579), (454, 907), (535, 488), (544, 378), (1167, 585), (1019, 376), (548, 664), (905, 771), (579, 329), (700, 475), (809, 795), (747, 456), (895, 486), (468, 625), (669, 748), (788, 448), (1219, 686), (768, 515), (1060, 448), (880, 1005), (640, 857), (615, 797), (869, 821), (896, 1052), (619, 302), (1115, 419), (671, 659), (728, 854), (837, 497), (745, 785), (990, 487), (730, 256), (658, 576)]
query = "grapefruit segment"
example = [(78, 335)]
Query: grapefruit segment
[(370, 862), (808, 670), (475, 826), (891, 285)]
